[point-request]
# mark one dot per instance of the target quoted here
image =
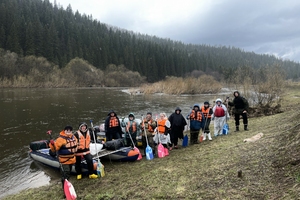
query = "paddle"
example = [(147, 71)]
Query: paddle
[(135, 148), (225, 129), (201, 137), (100, 167), (68, 187), (149, 152)]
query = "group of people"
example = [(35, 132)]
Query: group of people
[(168, 130), (72, 148)]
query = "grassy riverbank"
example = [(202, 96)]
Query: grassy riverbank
[(270, 167)]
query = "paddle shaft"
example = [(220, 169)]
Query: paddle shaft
[(95, 142)]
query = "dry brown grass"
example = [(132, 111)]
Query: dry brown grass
[(269, 167), (175, 86)]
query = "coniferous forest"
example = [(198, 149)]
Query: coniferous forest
[(42, 29)]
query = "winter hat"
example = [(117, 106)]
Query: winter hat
[(206, 102), (68, 127), (149, 113)]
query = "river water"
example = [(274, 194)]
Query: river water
[(27, 114)]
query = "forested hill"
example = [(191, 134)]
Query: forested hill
[(36, 27)]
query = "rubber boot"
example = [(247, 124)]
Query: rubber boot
[(209, 137), (246, 128), (93, 176), (204, 136), (197, 138), (237, 129)]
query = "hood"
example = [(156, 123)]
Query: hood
[(197, 105), (112, 111), (218, 100), (178, 109), (83, 124), (131, 114), (236, 92)]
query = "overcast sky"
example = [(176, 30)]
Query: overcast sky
[(261, 26)]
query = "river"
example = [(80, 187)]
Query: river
[(26, 115)]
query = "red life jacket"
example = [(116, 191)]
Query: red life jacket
[(219, 112)]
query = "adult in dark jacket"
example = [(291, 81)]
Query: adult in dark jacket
[(113, 128), (241, 107), (177, 126)]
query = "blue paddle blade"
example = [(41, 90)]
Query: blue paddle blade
[(225, 129), (149, 153), (185, 141)]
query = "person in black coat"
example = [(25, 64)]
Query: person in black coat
[(113, 128), (177, 127), (241, 107)]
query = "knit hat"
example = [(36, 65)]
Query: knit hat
[(206, 102)]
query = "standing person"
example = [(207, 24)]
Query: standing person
[(148, 125), (84, 139), (65, 147), (241, 107), (207, 112), (195, 118), (177, 127), (113, 128), (162, 130), (131, 128), (219, 116)]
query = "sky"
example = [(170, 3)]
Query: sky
[(261, 26)]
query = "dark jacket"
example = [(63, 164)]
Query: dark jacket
[(240, 104)]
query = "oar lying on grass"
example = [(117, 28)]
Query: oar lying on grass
[(68, 187)]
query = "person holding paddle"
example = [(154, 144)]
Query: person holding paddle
[(196, 120), (83, 151), (65, 147), (207, 112), (131, 128), (148, 125), (162, 131)]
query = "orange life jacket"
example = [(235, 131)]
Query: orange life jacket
[(83, 143), (161, 125), (205, 112), (113, 122), (196, 115), (131, 124), (147, 124), (219, 111), (66, 153)]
